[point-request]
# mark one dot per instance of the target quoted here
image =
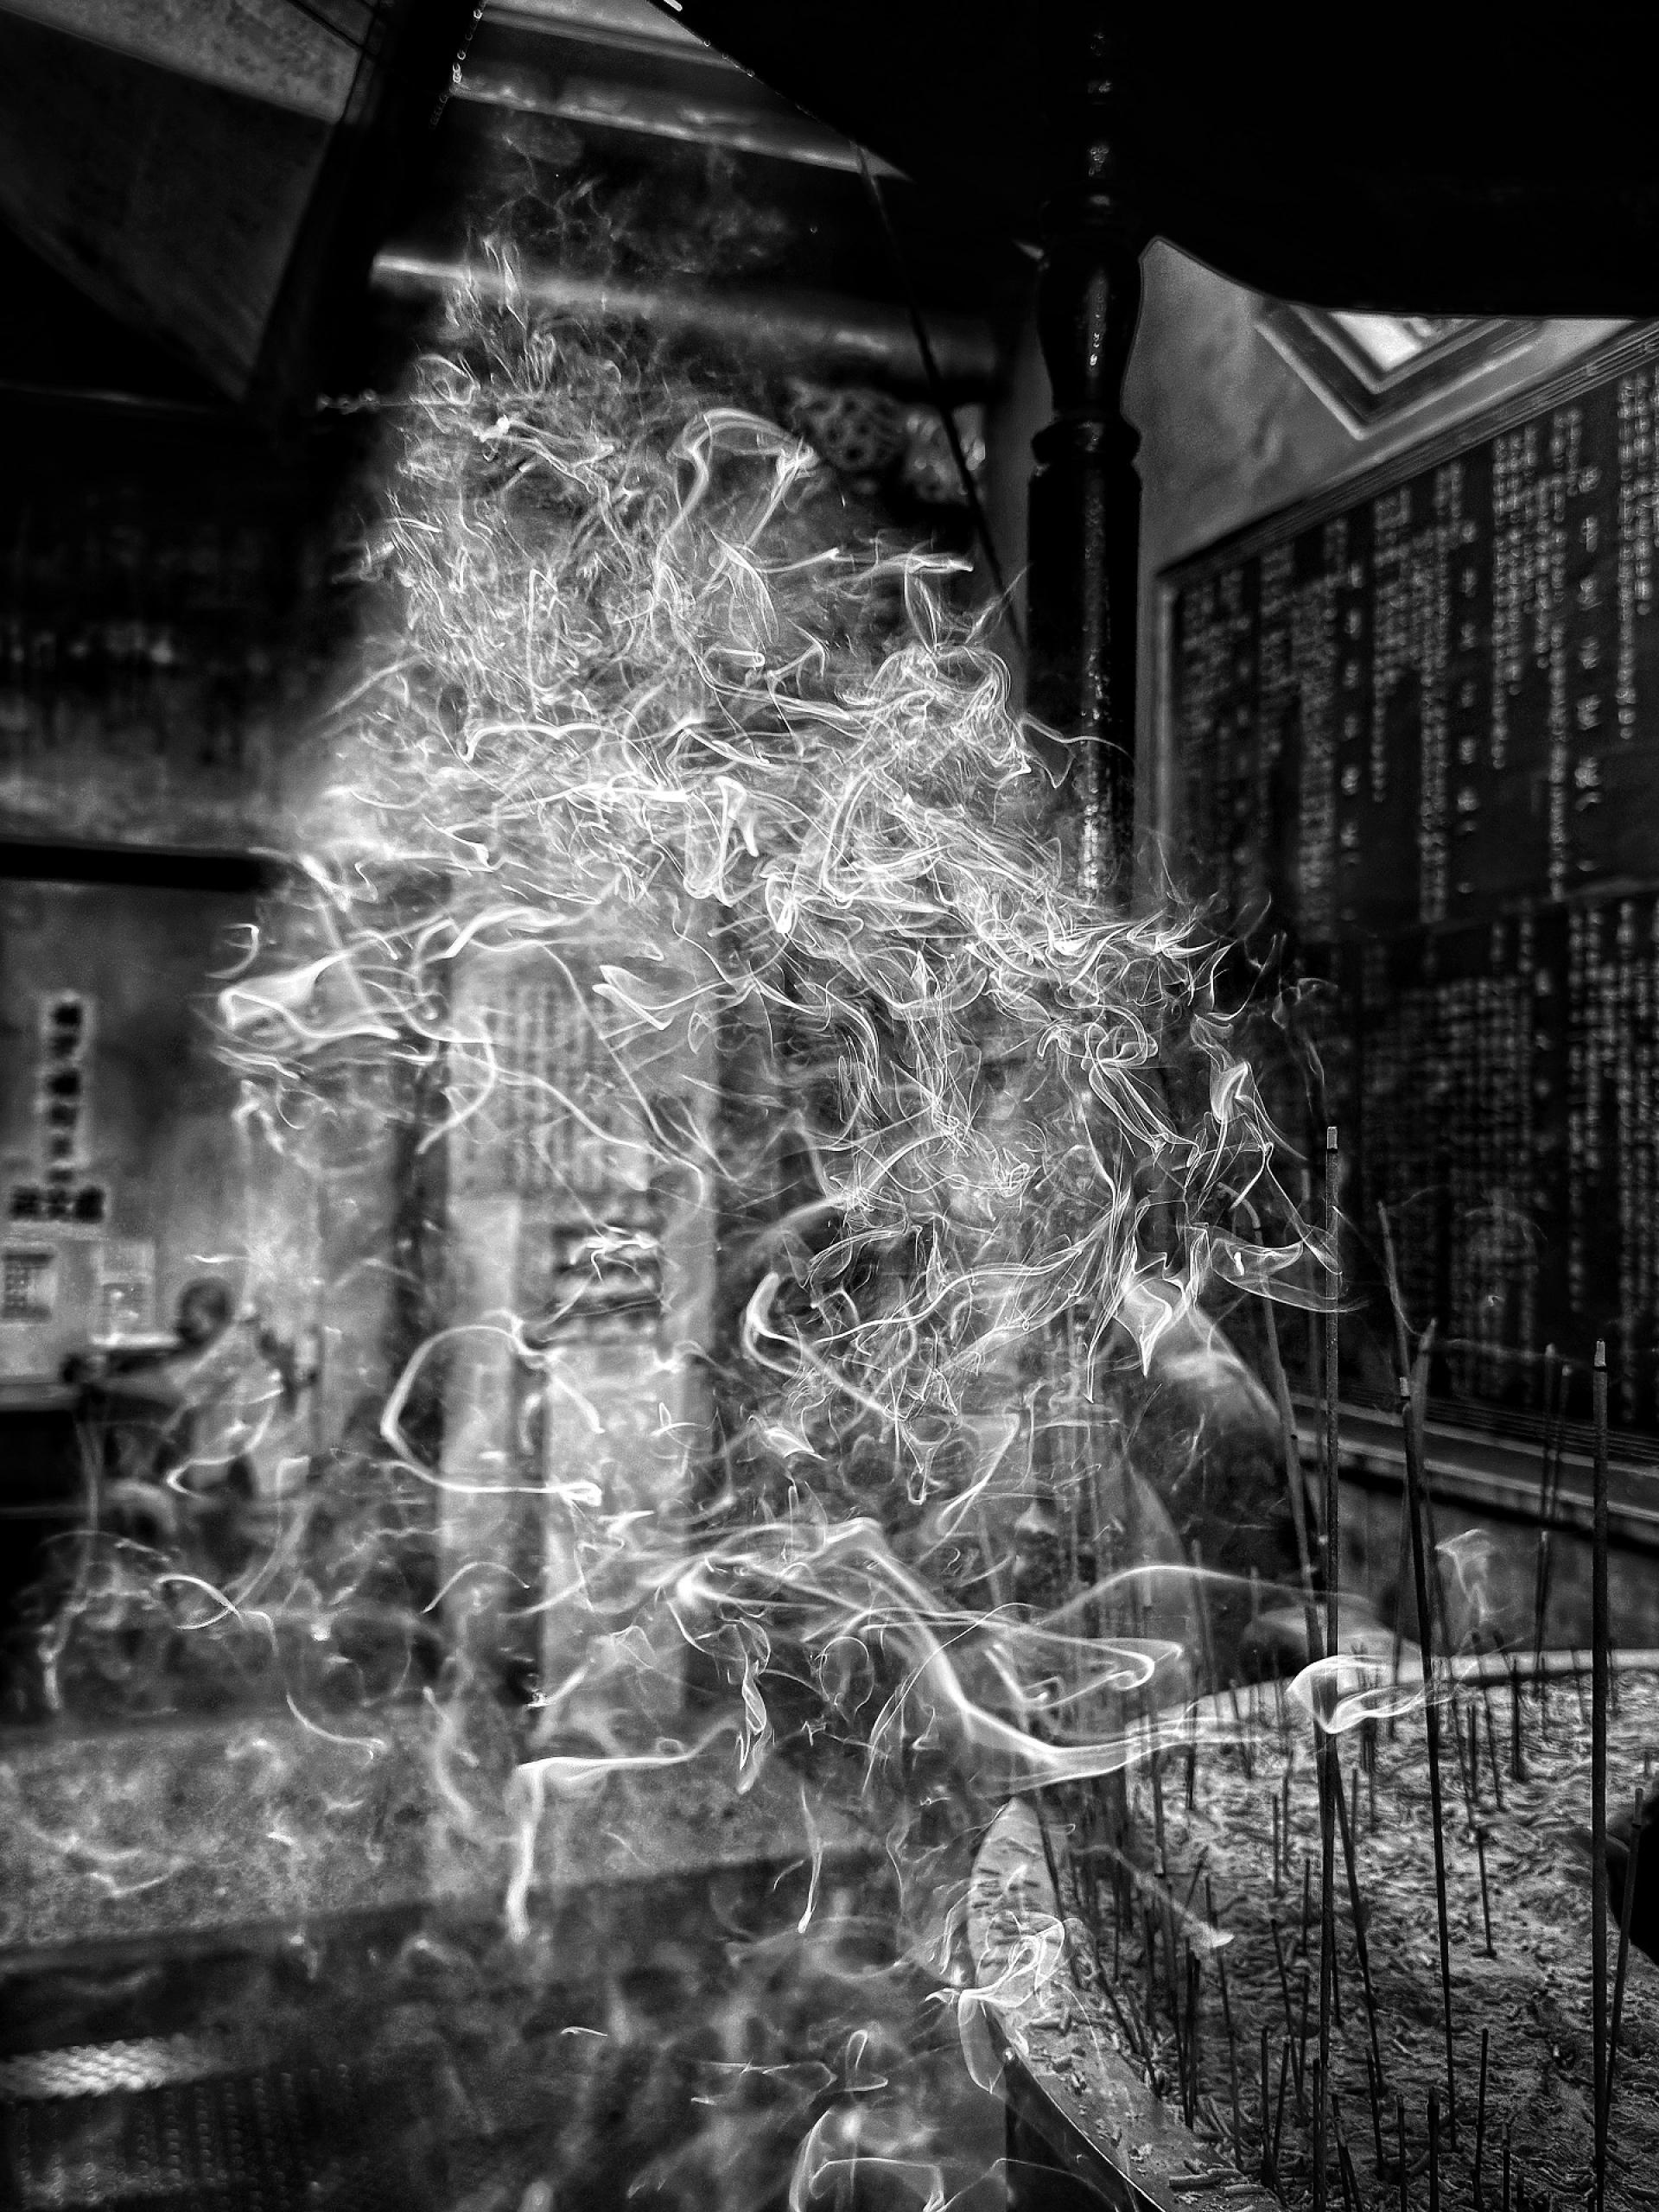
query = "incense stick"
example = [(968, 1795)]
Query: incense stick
[(1432, 1725), (1480, 2117), (1320, 2152), (1291, 1441), (1361, 1947), (1492, 1748), (1192, 1974), (1598, 1774), (1376, 2087), (1517, 1754), (1267, 2116), (1486, 1899), (1330, 1777), (1555, 1411)]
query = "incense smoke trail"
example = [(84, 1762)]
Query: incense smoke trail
[(810, 1171)]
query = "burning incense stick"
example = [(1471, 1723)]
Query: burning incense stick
[(1432, 1724)]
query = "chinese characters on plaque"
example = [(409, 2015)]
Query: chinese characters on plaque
[(1417, 729)]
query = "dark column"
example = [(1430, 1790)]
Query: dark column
[(1086, 496)]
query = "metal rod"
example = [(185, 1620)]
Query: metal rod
[(1084, 533)]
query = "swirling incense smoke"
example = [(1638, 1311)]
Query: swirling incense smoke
[(1342, 1692), (1371, 1681), (680, 877)]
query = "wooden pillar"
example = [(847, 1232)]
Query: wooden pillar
[(1085, 496)]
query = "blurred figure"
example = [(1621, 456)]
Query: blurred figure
[(203, 1437)]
